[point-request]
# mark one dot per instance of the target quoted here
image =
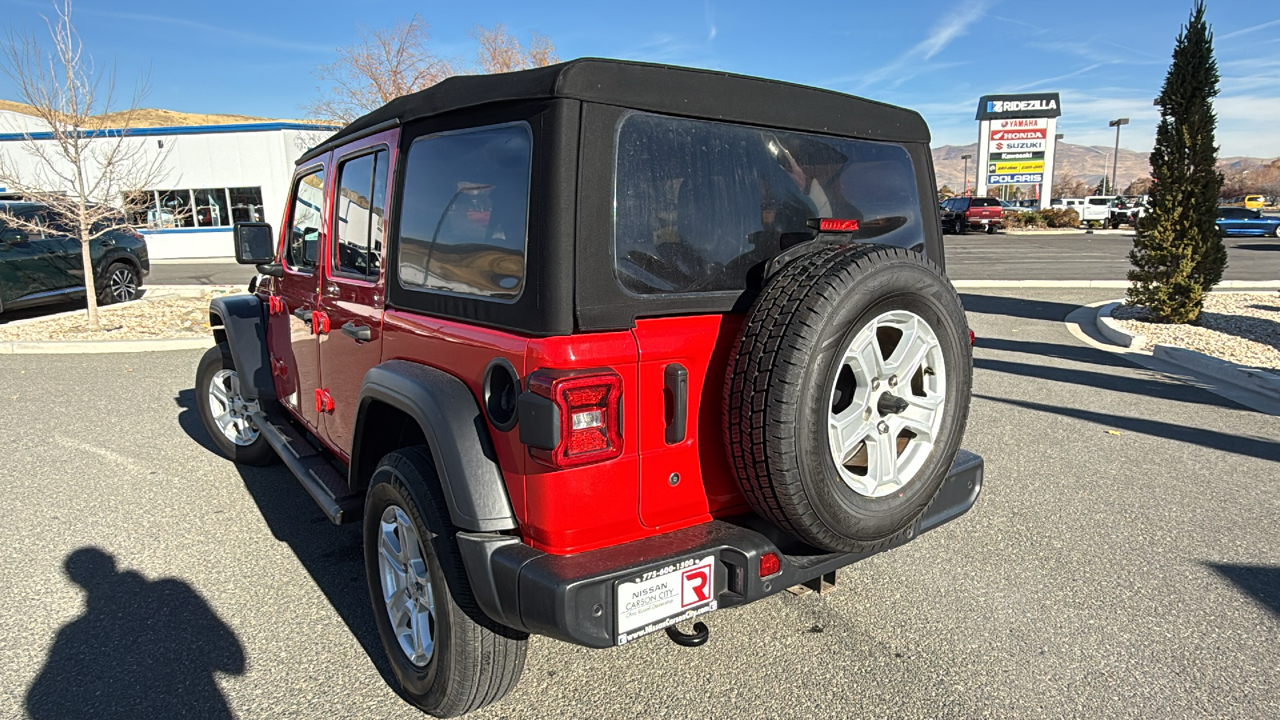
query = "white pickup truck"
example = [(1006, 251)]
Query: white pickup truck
[(1096, 208)]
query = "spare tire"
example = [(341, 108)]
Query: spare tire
[(847, 394)]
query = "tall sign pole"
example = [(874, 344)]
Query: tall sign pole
[(1013, 141)]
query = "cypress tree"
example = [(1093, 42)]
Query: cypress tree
[(1178, 254)]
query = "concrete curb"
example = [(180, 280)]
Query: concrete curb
[(1112, 330), (1259, 381), (71, 347), (1107, 284), (1067, 231)]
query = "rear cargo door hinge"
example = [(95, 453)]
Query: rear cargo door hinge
[(324, 401)]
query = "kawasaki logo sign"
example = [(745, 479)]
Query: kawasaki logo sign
[(1034, 105)]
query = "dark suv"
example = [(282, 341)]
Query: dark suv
[(44, 268), (594, 349)]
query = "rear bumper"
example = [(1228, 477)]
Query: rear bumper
[(571, 597)]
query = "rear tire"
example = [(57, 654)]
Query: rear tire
[(473, 661), (121, 283), (799, 371)]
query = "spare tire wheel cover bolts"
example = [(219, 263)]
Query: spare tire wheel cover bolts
[(887, 401)]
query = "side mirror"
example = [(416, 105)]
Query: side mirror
[(255, 243), (12, 237)]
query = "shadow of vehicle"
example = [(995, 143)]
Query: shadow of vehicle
[(142, 649), (1258, 246), (1258, 447), (332, 555), (1016, 307), (1260, 582), (9, 316)]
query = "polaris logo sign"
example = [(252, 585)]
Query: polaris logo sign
[(1032, 105)]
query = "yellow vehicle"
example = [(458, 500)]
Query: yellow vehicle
[(1254, 202)]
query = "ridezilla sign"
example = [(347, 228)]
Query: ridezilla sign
[(1015, 141)]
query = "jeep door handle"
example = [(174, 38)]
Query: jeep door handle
[(675, 393), (361, 333), (303, 314)]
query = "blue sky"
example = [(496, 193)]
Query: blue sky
[(1108, 59)]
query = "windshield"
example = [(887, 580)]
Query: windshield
[(698, 204)]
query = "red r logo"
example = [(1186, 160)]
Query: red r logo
[(695, 585)]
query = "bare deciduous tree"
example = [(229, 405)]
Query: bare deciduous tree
[(501, 52), (384, 64), (380, 67), (90, 180)]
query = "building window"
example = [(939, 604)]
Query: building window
[(204, 207), (211, 208), (246, 204)]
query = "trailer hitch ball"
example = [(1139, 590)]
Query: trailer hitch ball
[(698, 638)]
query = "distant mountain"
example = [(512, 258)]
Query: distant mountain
[(151, 117), (1078, 162)]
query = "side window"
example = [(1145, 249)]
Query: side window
[(305, 220), (464, 212), (359, 214)]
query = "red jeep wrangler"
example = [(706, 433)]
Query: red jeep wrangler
[(597, 348)]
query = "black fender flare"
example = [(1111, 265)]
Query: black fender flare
[(244, 326), (456, 432)]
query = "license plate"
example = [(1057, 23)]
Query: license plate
[(658, 599)]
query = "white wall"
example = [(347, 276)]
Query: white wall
[(242, 158)]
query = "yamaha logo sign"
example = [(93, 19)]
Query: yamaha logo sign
[(1033, 105)]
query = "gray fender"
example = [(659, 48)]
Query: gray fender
[(245, 328), (458, 436)]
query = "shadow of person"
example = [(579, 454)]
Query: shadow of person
[(143, 648)]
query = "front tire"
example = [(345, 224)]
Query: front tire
[(224, 411), (449, 657)]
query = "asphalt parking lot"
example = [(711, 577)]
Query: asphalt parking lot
[(1122, 561), (1077, 256)]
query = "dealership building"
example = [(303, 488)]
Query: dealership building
[(212, 176)]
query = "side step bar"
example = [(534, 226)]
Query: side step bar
[(324, 484)]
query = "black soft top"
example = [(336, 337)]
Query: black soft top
[(665, 89)]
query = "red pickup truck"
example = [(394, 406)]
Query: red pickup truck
[(962, 214)]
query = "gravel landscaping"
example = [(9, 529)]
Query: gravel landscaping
[(163, 318), (1241, 327)]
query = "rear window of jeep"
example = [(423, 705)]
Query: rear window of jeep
[(699, 203), (464, 213)]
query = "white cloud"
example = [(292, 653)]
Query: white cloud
[(914, 61)]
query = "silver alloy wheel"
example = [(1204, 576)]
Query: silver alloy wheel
[(887, 403), (229, 410), (123, 284), (406, 586)]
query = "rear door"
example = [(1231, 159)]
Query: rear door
[(353, 290), (292, 341)]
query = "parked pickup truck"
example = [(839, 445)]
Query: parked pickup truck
[(595, 349), (962, 214), (1096, 208)]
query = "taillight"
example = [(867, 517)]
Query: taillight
[(833, 225), (580, 414)]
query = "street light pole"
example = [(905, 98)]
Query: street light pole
[(966, 173), (1115, 159), (1054, 167)]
